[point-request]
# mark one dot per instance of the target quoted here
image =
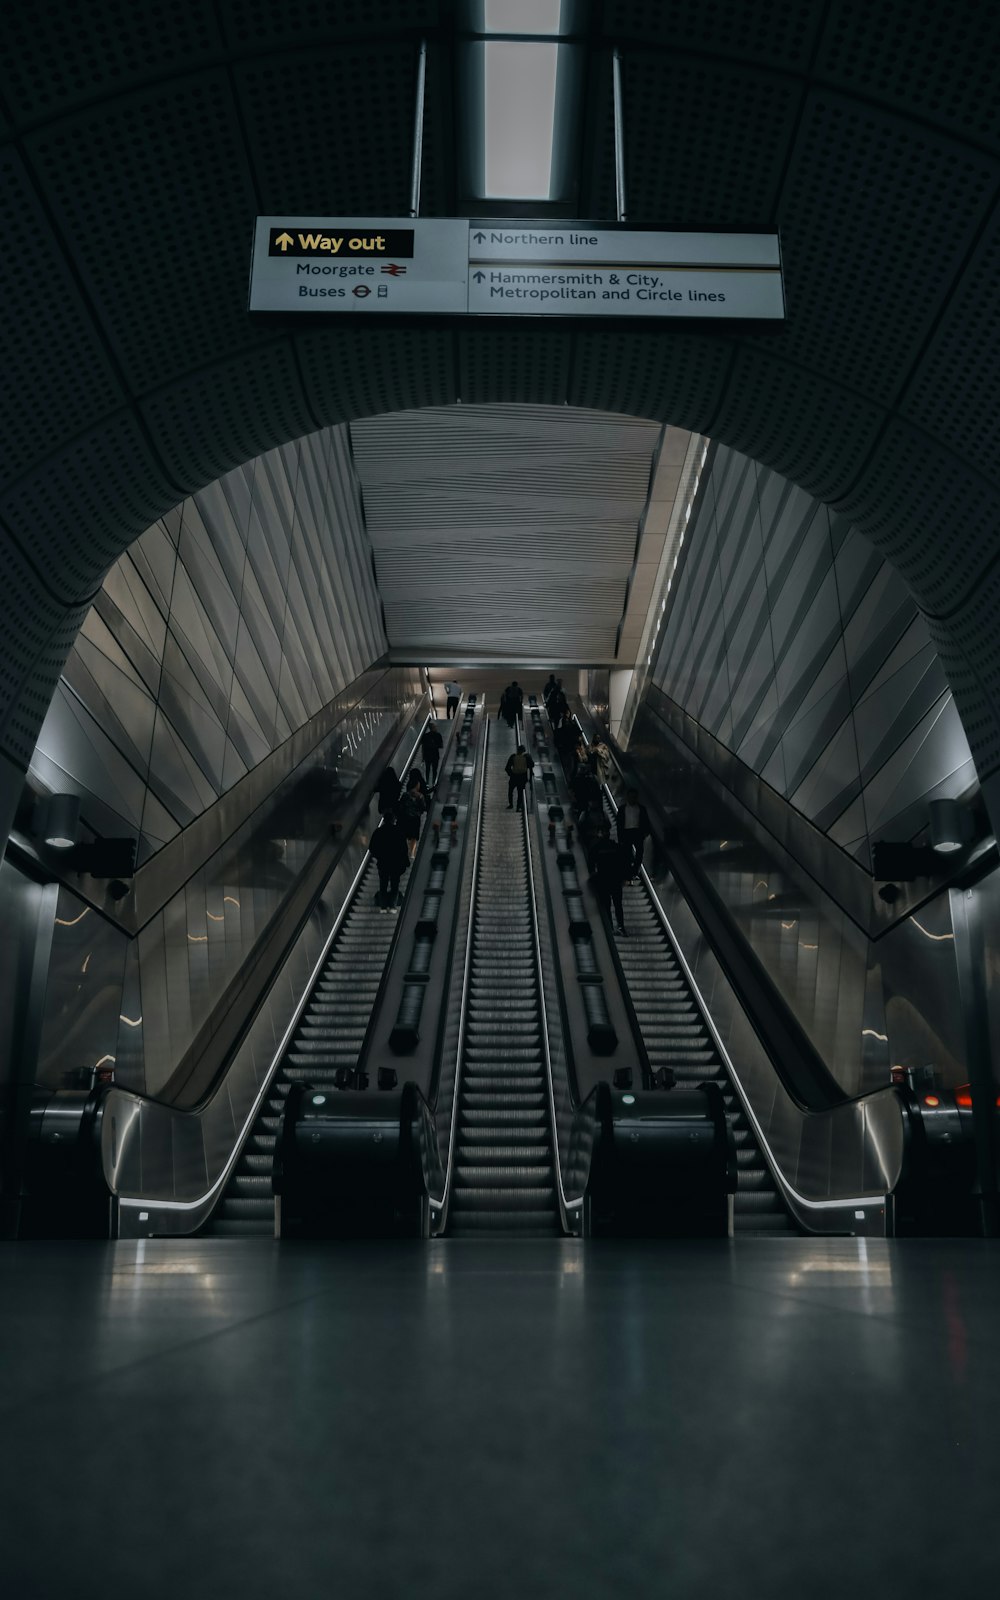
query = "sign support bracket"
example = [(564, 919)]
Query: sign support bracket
[(616, 85), (418, 131)]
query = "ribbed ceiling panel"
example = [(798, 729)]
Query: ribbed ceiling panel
[(504, 530)]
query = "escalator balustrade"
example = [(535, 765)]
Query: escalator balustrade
[(676, 1036), (328, 1040)]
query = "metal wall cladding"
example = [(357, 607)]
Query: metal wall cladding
[(139, 1003), (795, 644), (222, 630)]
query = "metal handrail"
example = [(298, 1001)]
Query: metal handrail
[(441, 1206), (565, 1206)]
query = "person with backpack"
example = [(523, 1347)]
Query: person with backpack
[(633, 829), (454, 694), (519, 770), (431, 745)]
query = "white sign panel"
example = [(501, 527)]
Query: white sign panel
[(509, 241), (446, 266), (360, 264), (576, 271)]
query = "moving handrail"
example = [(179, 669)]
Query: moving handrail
[(570, 1211), (439, 1206)]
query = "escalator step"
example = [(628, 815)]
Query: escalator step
[(503, 1131), (508, 1154), (542, 1223), (238, 1208), (490, 1197), (496, 1178), (757, 1201)]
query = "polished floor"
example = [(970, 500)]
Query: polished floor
[(225, 1418)]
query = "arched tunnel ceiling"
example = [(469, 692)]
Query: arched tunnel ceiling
[(141, 140)]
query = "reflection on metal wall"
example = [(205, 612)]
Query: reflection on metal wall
[(791, 640), (139, 1004), (866, 1003), (224, 628)]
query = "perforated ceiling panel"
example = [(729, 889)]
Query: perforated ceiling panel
[(151, 194), (46, 396), (769, 33), (871, 255), (940, 59), (332, 135), (140, 140), (810, 429), (679, 377), (503, 532)]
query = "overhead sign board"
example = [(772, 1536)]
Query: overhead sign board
[(448, 265), (361, 264)]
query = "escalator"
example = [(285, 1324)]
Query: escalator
[(676, 1036), (503, 1166), (328, 1039)]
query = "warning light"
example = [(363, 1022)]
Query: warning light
[(931, 1100)]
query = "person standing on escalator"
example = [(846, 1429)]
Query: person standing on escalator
[(388, 846), (608, 864), (633, 830), (599, 759), (413, 803), (519, 769), (431, 745), (511, 702), (387, 791)]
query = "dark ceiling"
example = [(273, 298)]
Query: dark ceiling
[(141, 139)]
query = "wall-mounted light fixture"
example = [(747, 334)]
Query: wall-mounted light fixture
[(60, 820), (951, 826)]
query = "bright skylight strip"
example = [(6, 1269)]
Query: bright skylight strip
[(523, 16), (520, 85)]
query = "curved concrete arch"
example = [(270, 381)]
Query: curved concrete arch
[(135, 158)]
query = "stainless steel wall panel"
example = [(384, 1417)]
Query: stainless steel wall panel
[(229, 625), (826, 659)]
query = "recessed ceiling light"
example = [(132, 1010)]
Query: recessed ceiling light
[(523, 16), (520, 94)]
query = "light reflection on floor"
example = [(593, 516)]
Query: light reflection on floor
[(507, 1419)]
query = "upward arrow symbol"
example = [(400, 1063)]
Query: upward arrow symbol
[(479, 276), (479, 237), (284, 239)]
